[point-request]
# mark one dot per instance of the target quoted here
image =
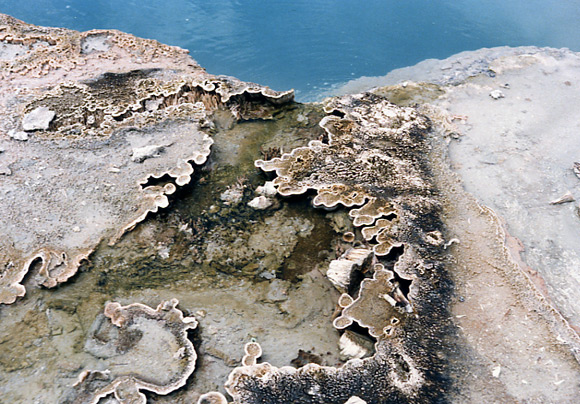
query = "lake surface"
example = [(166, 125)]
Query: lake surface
[(313, 45)]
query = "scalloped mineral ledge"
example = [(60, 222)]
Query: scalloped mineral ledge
[(141, 349)]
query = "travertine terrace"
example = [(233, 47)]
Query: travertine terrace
[(321, 253)]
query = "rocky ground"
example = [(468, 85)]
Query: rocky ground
[(128, 175)]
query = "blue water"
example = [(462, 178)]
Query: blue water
[(311, 45)]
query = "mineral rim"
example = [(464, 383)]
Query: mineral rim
[(100, 130)]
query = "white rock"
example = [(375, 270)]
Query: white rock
[(233, 195), (301, 118), (268, 275), (496, 94), (140, 154), (38, 119), (153, 105), (351, 348), (341, 269), (567, 197), (95, 43), (260, 203), (355, 400), (5, 170), (22, 136), (268, 189)]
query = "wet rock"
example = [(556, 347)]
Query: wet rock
[(268, 189), (277, 291), (260, 203), (233, 195), (32, 331), (260, 250), (38, 119)]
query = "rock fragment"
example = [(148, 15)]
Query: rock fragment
[(268, 189), (567, 197), (140, 154), (496, 94), (18, 135), (354, 345), (233, 195), (260, 203), (340, 271), (355, 400), (38, 119), (212, 397)]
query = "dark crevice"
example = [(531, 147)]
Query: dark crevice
[(355, 281), (35, 265), (392, 257), (157, 181), (336, 112), (391, 216), (403, 284), (362, 337), (31, 276)]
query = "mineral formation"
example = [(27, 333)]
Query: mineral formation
[(374, 162), (140, 349), (115, 125)]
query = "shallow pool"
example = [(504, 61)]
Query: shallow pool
[(311, 45)]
